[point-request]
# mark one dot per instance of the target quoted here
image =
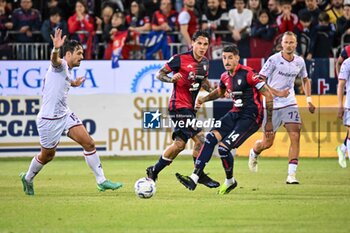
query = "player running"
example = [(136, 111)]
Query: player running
[(244, 119), (280, 71), (190, 71), (55, 117)]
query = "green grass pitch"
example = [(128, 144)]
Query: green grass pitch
[(67, 200)]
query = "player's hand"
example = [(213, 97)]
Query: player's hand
[(199, 103), (176, 77), (268, 129), (58, 40), (78, 82), (311, 107), (340, 112), (283, 93)]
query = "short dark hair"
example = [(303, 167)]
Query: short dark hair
[(305, 16), (201, 33), (71, 46), (55, 11), (323, 17), (232, 48)]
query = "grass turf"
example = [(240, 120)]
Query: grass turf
[(66, 198)]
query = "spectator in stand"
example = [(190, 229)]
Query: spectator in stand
[(215, 18), (51, 24), (81, 27), (274, 9), (106, 15), (322, 38), (62, 4), (116, 26), (303, 34), (119, 5), (255, 7), (26, 20), (240, 21), (138, 22), (312, 8), (264, 28), (287, 21), (188, 23), (343, 23), (5, 24), (335, 10), (164, 19)]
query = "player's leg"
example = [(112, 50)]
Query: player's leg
[(203, 158), (265, 143), (293, 130), (168, 156), (203, 178), (78, 133), (243, 129), (341, 151), (50, 132)]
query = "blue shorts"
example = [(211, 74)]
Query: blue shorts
[(183, 114), (236, 128)]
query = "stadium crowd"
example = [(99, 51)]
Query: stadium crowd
[(145, 29)]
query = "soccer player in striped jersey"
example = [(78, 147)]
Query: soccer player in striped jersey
[(190, 71), (237, 125), (344, 109), (55, 117), (280, 72), (342, 148)]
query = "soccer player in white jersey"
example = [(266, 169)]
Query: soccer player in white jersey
[(280, 72), (344, 111), (55, 117)]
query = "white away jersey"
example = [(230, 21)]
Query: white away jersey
[(345, 75), (55, 91), (281, 75)]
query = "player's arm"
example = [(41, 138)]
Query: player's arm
[(162, 75), (338, 64), (265, 91), (340, 94), (57, 41), (307, 91), (206, 85), (77, 82)]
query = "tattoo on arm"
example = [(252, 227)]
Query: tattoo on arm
[(206, 85), (213, 95), (162, 75), (269, 107)]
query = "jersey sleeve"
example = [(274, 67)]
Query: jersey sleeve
[(184, 17), (268, 68), (344, 70), (174, 63), (254, 80), (222, 84), (303, 71), (344, 54), (59, 68)]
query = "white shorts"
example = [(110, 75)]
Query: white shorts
[(50, 130), (346, 117), (289, 114)]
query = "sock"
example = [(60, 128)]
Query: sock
[(194, 159), (348, 145), (34, 168), (229, 182), (292, 166), (93, 160), (205, 153), (161, 164), (194, 177), (227, 161), (343, 148), (253, 154)]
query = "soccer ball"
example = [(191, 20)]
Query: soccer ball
[(145, 187)]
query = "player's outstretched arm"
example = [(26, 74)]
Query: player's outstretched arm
[(77, 82), (206, 85), (307, 90), (340, 94), (265, 91), (162, 75), (215, 94), (57, 41)]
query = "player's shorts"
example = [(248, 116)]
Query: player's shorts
[(184, 115), (50, 130), (289, 114), (235, 129), (346, 117)]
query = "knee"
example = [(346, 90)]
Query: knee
[(179, 145)]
